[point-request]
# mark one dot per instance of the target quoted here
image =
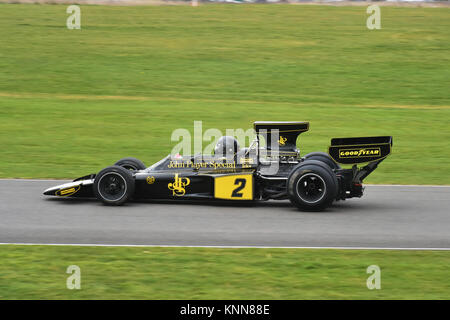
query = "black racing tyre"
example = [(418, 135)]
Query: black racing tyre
[(131, 164), (114, 185), (324, 157), (312, 186)]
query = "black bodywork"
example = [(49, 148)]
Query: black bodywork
[(248, 174)]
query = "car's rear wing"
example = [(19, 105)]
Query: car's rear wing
[(360, 150)]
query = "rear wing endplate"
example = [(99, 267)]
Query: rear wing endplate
[(360, 150)]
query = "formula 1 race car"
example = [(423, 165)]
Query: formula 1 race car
[(274, 171)]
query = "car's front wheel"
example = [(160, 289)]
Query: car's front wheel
[(114, 185), (312, 186)]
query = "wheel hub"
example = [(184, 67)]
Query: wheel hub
[(112, 186), (311, 188)]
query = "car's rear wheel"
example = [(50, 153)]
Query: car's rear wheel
[(131, 164), (324, 157), (114, 185), (312, 186)]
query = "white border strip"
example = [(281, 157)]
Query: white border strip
[(218, 247)]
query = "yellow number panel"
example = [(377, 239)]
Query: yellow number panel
[(235, 187)]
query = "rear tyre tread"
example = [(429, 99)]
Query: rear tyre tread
[(324, 157), (314, 168)]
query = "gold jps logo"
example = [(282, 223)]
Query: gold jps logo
[(359, 152), (179, 185), (282, 141)]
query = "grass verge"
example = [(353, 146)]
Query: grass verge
[(39, 272)]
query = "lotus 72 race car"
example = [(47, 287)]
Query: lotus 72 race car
[(275, 171)]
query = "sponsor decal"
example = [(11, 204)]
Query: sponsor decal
[(234, 187), (247, 160), (198, 165), (282, 141), (67, 191), (359, 152), (150, 180), (179, 185)]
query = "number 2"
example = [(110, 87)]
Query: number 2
[(241, 185)]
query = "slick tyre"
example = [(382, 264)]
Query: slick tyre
[(131, 164), (324, 157), (114, 185), (312, 186)]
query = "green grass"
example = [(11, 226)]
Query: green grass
[(39, 272), (75, 101)]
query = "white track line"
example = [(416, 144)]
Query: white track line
[(370, 185), (218, 247)]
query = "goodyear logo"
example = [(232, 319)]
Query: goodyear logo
[(64, 192), (67, 192), (359, 152)]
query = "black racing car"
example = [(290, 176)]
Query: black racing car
[(276, 171)]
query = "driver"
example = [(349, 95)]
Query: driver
[(226, 147)]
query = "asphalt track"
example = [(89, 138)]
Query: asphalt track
[(386, 217)]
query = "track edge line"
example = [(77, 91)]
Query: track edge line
[(219, 247)]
